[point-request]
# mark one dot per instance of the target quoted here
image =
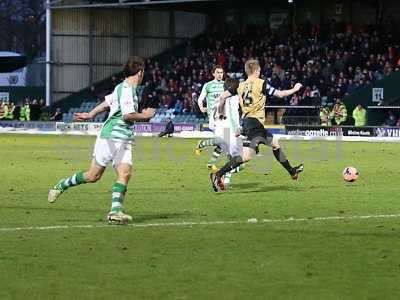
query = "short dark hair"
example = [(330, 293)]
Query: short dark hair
[(216, 67), (231, 85), (133, 66)]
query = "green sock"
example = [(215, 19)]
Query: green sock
[(118, 194), (74, 180), (215, 155), (206, 143)]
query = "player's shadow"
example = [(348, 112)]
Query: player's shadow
[(248, 185), (144, 217), (264, 189)]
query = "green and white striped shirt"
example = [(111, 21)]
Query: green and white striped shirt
[(124, 100), (212, 90)]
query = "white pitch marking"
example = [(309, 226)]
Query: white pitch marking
[(331, 218), (194, 223)]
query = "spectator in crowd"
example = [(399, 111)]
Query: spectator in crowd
[(359, 116), (27, 100), (315, 95), (93, 93), (35, 110), (178, 108), (17, 111), (1, 110), (391, 120), (339, 113), (187, 105), (5, 111), (57, 116), (169, 129), (295, 100), (11, 112), (25, 112), (114, 82), (8, 111), (324, 115)]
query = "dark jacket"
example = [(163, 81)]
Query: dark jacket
[(169, 128)]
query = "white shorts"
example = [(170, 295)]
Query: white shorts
[(231, 144), (211, 124), (117, 151)]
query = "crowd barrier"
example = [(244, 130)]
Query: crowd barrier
[(343, 131), (88, 128), (289, 132)]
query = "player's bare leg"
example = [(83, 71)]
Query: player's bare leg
[(92, 175), (116, 214)]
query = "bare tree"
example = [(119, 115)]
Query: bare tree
[(22, 26), (8, 24), (34, 28)]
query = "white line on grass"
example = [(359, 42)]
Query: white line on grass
[(194, 223)]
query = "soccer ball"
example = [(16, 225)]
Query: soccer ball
[(350, 174)]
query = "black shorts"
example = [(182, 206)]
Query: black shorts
[(255, 134)]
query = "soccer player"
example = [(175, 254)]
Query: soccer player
[(114, 143), (252, 93), (227, 128), (211, 91)]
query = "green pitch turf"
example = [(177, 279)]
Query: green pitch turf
[(294, 257)]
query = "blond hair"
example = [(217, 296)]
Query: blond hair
[(251, 66)]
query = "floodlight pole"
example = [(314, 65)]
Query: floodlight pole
[(48, 54)]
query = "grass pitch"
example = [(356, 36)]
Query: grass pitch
[(294, 257)]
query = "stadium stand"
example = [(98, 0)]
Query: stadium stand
[(331, 66)]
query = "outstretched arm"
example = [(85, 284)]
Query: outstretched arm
[(285, 93), (146, 114), (79, 117)]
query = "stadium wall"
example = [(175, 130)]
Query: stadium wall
[(386, 87), (91, 45)]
